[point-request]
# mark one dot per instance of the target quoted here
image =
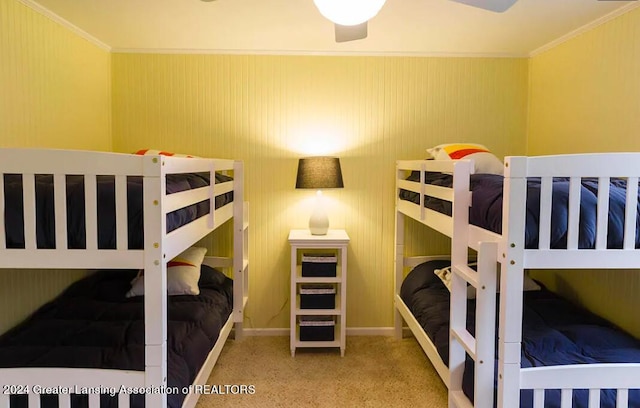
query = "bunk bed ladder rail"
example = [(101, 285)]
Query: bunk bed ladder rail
[(155, 205), (398, 269), (399, 263), (33, 163), (419, 211), (602, 217), (623, 166), (33, 382), (481, 347), (159, 247), (592, 378), (402, 313), (240, 245), (511, 378), (511, 281)]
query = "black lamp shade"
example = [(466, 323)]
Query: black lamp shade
[(319, 172)]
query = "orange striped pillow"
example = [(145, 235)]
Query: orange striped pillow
[(483, 161), (183, 274), (153, 152)]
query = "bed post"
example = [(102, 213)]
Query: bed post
[(484, 374), (240, 241), (511, 281), (155, 281), (459, 259), (398, 259)]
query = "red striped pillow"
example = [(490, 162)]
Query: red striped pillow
[(153, 152), (183, 274), (482, 159)]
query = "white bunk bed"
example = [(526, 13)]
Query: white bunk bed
[(508, 249), (158, 248)]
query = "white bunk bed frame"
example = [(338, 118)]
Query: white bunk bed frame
[(508, 250), (159, 248)]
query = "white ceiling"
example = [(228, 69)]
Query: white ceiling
[(421, 27)]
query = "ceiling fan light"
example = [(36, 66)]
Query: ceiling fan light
[(349, 12)]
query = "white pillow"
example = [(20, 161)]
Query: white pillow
[(445, 276), (155, 152), (483, 161), (183, 274)]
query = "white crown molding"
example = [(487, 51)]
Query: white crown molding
[(314, 53), (587, 27), (65, 23)]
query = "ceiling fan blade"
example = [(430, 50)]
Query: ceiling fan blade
[(499, 6), (351, 33)]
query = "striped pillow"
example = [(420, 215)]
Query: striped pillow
[(183, 274), (483, 161), (153, 152), (445, 276)]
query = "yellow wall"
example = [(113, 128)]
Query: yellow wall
[(271, 110), (54, 92), (585, 97), (585, 93), (55, 85), (582, 96)]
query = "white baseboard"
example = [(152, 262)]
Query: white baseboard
[(406, 332), (351, 331), (265, 332), (370, 331)]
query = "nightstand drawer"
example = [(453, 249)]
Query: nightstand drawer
[(317, 328), (317, 296), (318, 289), (319, 265)]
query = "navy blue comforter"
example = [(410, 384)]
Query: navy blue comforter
[(93, 325), (555, 332), (45, 216), (486, 208)]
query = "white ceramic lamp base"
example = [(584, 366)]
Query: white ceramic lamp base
[(319, 220)]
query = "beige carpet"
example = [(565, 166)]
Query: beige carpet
[(375, 372)]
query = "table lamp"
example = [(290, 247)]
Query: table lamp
[(319, 173)]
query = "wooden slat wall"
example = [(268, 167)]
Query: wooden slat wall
[(55, 85), (368, 110), (55, 92), (585, 97), (271, 110), (23, 291)]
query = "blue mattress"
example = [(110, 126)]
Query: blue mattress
[(93, 325), (486, 208), (555, 332), (45, 216)]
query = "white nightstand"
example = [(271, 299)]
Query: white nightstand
[(335, 242)]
